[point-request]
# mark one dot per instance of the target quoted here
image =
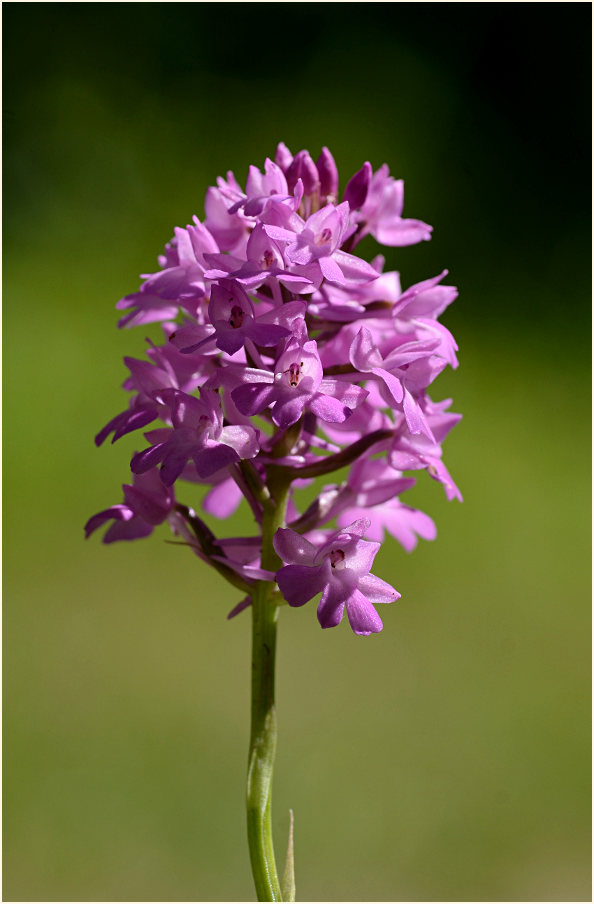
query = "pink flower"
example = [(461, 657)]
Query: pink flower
[(147, 502), (197, 435), (339, 570), (381, 214), (314, 244), (297, 383)]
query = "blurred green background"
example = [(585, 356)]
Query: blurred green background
[(447, 758)]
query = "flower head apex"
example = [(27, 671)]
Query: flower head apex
[(287, 357)]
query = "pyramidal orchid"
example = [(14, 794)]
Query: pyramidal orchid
[(286, 357)]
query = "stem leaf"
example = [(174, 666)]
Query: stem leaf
[(288, 880)]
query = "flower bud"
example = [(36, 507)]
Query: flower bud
[(305, 169), (283, 156), (356, 191), (328, 174)]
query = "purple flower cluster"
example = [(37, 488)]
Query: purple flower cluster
[(284, 353)]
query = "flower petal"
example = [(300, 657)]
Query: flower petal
[(329, 409), (148, 458), (292, 548), (363, 618), (208, 461), (376, 590), (116, 512), (330, 611), (300, 583), (252, 398), (330, 269), (244, 440)]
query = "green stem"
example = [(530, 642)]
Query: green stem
[(264, 728)]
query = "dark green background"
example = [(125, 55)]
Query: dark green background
[(447, 758)]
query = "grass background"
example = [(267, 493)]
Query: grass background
[(447, 758)]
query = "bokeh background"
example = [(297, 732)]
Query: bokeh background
[(447, 758)]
